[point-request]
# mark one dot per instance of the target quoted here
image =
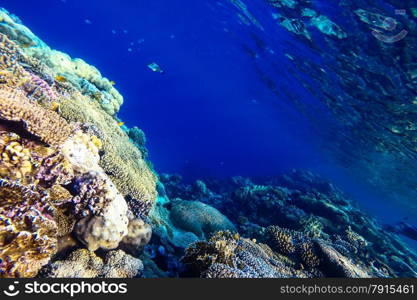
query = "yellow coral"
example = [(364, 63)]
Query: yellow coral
[(15, 161)]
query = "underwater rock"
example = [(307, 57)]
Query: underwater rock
[(338, 265), (85, 264)]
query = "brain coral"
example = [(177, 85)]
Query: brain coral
[(199, 218)]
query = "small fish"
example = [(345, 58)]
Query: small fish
[(114, 31), (112, 82), (87, 21), (60, 78), (155, 67), (26, 45), (120, 124), (55, 106), (97, 95)]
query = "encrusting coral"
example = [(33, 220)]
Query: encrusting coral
[(66, 168)]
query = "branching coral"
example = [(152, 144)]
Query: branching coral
[(281, 239), (16, 161)]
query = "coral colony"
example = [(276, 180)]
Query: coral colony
[(78, 197)]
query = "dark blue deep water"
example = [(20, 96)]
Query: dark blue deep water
[(230, 101)]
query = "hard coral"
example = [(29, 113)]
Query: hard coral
[(119, 157), (58, 140), (76, 71), (82, 263), (199, 218), (229, 256), (44, 124), (28, 232)]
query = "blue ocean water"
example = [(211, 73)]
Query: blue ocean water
[(226, 103)]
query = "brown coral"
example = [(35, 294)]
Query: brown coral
[(27, 230), (44, 124)]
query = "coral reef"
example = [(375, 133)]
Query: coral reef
[(85, 264), (70, 177), (307, 222), (76, 72), (228, 255)]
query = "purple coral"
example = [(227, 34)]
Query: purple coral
[(38, 88)]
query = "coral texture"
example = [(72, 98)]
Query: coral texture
[(85, 264), (70, 177), (307, 223)]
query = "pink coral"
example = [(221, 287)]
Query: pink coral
[(38, 89)]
